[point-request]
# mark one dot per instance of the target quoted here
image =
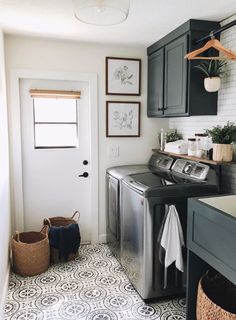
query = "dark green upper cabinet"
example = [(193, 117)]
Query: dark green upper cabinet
[(175, 86), (155, 76)]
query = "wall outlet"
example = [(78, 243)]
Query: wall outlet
[(114, 151)]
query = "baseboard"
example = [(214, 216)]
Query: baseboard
[(102, 238), (4, 293)]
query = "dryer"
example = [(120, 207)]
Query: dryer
[(114, 175)]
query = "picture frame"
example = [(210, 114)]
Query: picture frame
[(123, 118), (123, 76)]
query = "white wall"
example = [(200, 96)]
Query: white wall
[(4, 183), (38, 53), (226, 95)]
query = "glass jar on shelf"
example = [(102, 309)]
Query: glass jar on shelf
[(191, 146), (202, 145), (161, 137), (198, 151), (199, 145)]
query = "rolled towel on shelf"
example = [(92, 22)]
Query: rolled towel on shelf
[(179, 147)]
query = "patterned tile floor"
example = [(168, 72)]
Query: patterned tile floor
[(92, 287)]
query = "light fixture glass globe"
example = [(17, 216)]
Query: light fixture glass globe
[(101, 12)]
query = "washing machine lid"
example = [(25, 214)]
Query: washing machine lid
[(167, 185), (185, 179), (144, 181)]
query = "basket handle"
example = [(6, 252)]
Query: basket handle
[(47, 222), (211, 274), (45, 229), (17, 236), (76, 213)]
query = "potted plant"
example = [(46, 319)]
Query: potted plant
[(212, 69), (222, 138), (172, 135)]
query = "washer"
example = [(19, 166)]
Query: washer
[(114, 176), (145, 198)]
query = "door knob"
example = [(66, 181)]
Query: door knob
[(85, 162), (85, 175)]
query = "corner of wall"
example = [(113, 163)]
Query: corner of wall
[(4, 293), (4, 184)]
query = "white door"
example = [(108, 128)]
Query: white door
[(51, 186)]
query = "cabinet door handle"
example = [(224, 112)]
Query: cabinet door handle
[(159, 109)]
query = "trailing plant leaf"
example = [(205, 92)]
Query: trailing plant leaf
[(201, 68), (223, 135), (212, 68)]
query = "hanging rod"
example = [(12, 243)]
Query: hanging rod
[(214, 32)]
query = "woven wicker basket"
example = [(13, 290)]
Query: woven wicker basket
[(216, 298), (30, 251), (61, 222)]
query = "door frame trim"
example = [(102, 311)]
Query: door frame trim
[(15, 139)]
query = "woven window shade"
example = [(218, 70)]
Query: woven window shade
[(38, 93)]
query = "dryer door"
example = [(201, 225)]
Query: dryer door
[(132, 217), (113, 233)]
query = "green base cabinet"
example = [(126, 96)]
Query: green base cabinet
[(211, 244), (175, 87)]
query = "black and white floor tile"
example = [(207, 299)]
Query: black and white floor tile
[(92, 287)]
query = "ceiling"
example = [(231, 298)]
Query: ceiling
[(148, 21)]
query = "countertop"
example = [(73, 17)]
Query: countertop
[(226, 204)]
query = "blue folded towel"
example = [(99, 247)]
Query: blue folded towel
[(66, 239)]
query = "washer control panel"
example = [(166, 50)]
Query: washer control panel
[(192, 169)]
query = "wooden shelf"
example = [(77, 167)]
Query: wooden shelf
[(185, 156)]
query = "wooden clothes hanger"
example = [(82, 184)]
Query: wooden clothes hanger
[(213, 43)]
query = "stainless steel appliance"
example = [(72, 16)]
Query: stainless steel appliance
[(113, 177), (144, 200)]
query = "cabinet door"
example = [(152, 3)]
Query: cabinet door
[(155, 84), (175, 77)]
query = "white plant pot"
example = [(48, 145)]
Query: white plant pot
[(212, 84)]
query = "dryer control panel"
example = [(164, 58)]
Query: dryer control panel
[(161, 161), (192, 169)]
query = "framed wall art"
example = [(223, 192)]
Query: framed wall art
[(123, 76), (122, 119)]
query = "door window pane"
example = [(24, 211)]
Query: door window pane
[(55, 123), (54, 110), (55, 135)]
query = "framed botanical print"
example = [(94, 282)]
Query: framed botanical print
[(122, 119), (123, 76)]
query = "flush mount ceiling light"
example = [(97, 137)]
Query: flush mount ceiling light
[(101, 12)]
